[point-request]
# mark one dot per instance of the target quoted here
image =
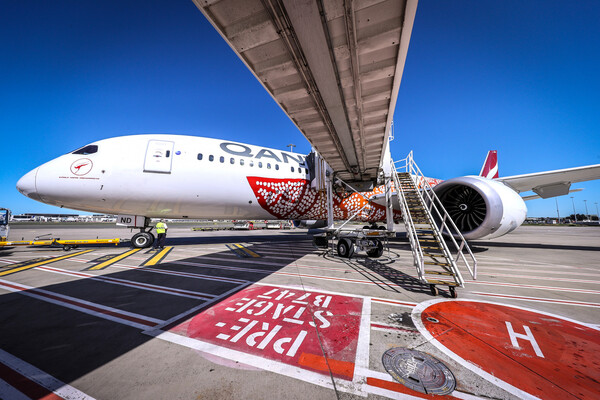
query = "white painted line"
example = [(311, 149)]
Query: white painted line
[(268, 272), (537, 299), (394, 302), (536, 277), (97, 310), (132, 284), (183, 274), (261, 262), (182, 315), (41, 378), (361, 361), (540, 264), (520, 285), (546, 271)]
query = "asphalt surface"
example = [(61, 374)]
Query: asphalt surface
[(264, 314)]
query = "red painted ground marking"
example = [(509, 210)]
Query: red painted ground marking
[(26, 385), (338, 368), (555, 358), (281, 325)]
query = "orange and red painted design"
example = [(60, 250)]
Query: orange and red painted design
[(295, 199)]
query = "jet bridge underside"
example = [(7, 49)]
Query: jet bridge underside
[(334, 67)]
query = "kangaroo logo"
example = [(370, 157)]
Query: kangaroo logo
[(81, 167)]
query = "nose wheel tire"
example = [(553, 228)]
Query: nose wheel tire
[(142, 240)]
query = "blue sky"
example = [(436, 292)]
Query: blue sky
[(517, 76)]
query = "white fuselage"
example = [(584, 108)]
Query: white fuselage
[(178, 176)]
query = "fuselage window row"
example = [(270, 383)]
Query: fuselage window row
[(211, 158)]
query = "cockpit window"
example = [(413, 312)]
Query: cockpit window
[(89, 149)]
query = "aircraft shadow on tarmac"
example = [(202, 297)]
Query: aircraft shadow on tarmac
[(69, 344)]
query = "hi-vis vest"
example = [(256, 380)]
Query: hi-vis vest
[(160, 227)]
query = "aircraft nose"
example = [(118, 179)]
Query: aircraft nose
[(26, 185)]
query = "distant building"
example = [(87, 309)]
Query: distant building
[(35, 217)]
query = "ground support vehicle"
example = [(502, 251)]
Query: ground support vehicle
[(346, 242)]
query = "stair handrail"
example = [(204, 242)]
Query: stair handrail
[(367, 204), (410, 226), (413, 169)]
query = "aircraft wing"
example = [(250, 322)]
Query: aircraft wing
[(552, 183), (334, 67)]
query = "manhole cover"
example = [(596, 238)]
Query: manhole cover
[(419, 371)]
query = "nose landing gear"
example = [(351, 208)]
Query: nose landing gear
[(142, 239)]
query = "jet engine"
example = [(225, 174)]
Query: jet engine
[(310, 223), (480, 207)]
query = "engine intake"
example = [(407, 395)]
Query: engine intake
[(480, 207)]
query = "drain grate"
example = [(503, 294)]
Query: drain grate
[(419, 371)]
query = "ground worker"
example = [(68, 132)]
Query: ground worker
[(161, 230)]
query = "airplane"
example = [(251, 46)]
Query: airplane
[(335, 69), (175, 176)]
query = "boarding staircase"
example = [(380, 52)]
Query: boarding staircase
[(427, 222)]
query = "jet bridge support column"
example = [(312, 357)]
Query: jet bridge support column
[(329, 182), (389, 205), (387, 170)]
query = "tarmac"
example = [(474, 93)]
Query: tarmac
[(265, 315)]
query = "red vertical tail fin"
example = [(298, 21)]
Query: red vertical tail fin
[(490, 166)]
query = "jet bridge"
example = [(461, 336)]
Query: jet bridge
[(334, 67)]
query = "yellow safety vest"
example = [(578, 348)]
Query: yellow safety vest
[(160, 228)]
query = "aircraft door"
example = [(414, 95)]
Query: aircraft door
[(159, 156)]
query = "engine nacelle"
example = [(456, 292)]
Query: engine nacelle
[(310, 223), (481, 207)]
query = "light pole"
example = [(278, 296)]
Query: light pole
[(291, 146), (557, 213), (597, 214), (574, 213), (586, 210)]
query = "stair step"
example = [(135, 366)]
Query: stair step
[(439, 273), (436, 263), (437, 282)]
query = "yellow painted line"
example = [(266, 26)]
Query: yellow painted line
[(90, 241), (113, 260), (51, 242), (247, 250), (158, 257), (37, 264)]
